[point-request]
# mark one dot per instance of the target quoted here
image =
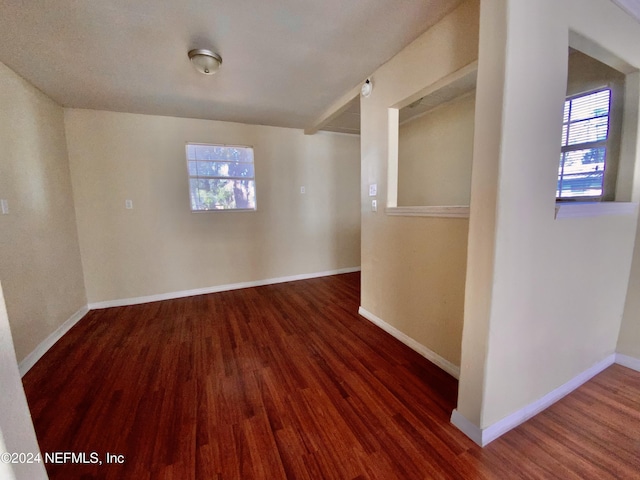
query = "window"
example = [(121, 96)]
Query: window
[(583, 158), (221, 177)]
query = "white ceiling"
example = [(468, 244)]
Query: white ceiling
[(284, 62)]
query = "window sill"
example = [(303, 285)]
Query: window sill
[(216, 210), (447, 211), (594, 209)]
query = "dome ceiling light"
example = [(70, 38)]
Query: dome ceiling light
[(205, 61)]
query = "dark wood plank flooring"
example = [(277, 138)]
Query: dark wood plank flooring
[(287, 381)]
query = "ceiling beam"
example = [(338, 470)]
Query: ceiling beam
[(336, 109)]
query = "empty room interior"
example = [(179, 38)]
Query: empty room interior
[(312, 240)]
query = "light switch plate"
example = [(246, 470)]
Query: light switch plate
[(374, 205), (128, 204), (373, 189), (5, 206)]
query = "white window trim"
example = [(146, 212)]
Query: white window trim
[(594, 209)]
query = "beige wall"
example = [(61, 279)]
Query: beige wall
[(39, 255), (434, 155), (485, 174), (16, 429), (160, 246), (586, 74), (413, 268), (629, 337), (544, 314)]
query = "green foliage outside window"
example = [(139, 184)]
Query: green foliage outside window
[(221, 177)]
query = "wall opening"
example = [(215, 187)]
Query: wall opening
[(431, 146)]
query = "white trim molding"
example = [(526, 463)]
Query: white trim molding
[(627, 361), (594, 209), (467, 427), (430, 355), (484, 436), (445, 211), (218, 288), (30, 360)]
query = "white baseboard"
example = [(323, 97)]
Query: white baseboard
[(219, 288), (467, 427), (484, 436), (30, 360), (627, 361), (430, 355)]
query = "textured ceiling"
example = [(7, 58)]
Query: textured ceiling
[(283, 62)]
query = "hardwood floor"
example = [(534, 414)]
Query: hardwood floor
[(287, 381)]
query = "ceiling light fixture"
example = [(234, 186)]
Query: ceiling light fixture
[(205, 61)]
